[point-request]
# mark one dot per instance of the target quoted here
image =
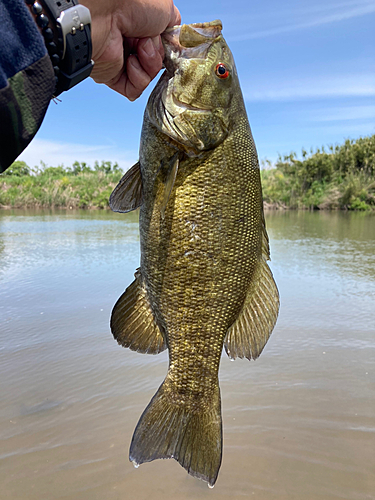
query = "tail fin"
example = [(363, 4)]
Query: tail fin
[(170, 429)]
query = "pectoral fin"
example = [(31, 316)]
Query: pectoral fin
[(127, 195), (132, 321), (169, 183), (249, 334)]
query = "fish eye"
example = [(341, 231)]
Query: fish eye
[(221, 71)]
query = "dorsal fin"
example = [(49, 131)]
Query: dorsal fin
[(250, 332), (127, 195), (132, 321)]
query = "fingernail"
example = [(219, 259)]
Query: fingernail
[(148, 47)]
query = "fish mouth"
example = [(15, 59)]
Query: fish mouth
[(191, 35), (188, 41), (181, 106)]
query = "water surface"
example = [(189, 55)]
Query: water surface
[(299, 423)]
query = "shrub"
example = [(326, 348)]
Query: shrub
[(340, 177)]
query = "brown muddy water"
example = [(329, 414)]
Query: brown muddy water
[(299, 423)]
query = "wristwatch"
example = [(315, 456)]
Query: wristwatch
[(66, 29)]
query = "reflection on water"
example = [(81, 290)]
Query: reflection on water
[(299, 423)]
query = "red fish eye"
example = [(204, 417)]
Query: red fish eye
[(221, 71)]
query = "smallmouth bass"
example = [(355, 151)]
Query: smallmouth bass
[(203, 282)]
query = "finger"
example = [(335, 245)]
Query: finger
[(175, 17), (137, 78), (147, 18), (119, 85), (140, 69), (150, 54)]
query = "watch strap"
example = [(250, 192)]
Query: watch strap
[(66, 28)]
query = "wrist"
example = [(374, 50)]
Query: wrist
[(102, 23)]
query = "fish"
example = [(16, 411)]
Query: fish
[(203, 283)]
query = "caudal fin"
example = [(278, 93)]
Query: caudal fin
[(170, 429)]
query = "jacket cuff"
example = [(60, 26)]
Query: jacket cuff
[(23, 104)]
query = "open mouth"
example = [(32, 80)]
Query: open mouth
[(190, 39), (192, 35)]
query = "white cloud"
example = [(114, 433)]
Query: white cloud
[(344, 113), (342, 130), (340, 14), (315, 87), (55, 153)]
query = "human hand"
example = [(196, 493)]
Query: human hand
[(127, 48)]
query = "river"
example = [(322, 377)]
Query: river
[(299, 423)]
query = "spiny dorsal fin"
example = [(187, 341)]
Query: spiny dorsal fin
[(132, 321), (250, 332), (169, 183), (127, 195)]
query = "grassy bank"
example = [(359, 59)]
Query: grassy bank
[(78, 186), (339, 177)]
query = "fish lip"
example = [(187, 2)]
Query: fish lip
[(215, 27), (197, 37)]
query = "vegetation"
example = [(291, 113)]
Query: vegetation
[(341, 177), (78, 186)]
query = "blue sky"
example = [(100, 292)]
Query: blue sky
[(307, 72)]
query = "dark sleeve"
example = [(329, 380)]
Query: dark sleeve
[(27, 80)]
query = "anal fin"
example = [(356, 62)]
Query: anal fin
[(132, 321), (127, 195), (250, 332)]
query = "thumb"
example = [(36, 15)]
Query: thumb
[(175, 17)]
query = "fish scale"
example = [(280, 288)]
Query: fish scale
[(219, 289), (203, 282)]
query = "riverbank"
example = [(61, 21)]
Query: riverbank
[(57, 187), (339, 178)]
